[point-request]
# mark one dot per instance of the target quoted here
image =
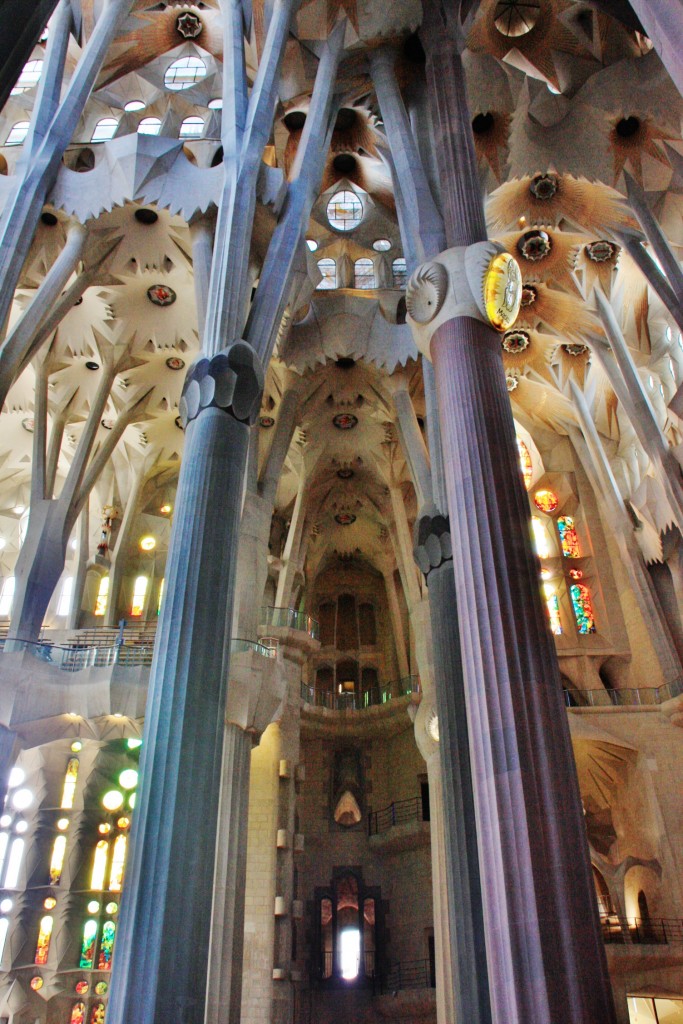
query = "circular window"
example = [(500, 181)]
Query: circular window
[(515, 18), (344, 211), (381, 245), (183, 73)]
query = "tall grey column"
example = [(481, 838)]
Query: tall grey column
[(159, 970), (546, 960)]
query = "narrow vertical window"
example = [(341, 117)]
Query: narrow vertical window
[(328, 269), (540, 538), (14, 863), (4, 839), (583, 608), (118, 863), (569, 538), (64, 604), (104, 129), (77, 1013), (399, 273), (43, 944), (106, 946), (139, 591), (161, 595), (88, 944), (7, 596), (102, 595), (57, 860), (525, 463), (70, 779), (553, 606), (96, 1014), (99, 867), (364, 274)]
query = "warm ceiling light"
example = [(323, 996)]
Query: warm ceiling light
[(147, 544), (165, 509)]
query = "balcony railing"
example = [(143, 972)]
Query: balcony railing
[(643, 696), (409, 974), (290, 618), (658, 931), (397, 813), (75, 657), (372, 697)]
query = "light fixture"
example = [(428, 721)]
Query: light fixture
[(128, 779), (166, 509), (112, 800), (147, 543)]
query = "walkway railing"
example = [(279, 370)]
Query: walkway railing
[(658, 931), (397, 813), (75, 658), (290, 618), (373, 697), (409, 974), (643, 696)]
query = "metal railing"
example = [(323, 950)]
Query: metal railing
[(372, 697), (409, 974), (397, 813), (657, 931), (237, 645), (290, 618), (644, 696)]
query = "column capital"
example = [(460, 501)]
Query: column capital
[(481, 281), (432, 540), (232, 381)]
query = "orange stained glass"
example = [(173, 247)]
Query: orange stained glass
[(546, 500), (43, 944), (569, 538), (77, 1013), (97, 1014), (57, 860), (553, 606), (70, 780), (525, 463)]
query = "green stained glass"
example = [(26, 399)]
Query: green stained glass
[(583, 608), (106, 946), (88, 944), (569, 538)]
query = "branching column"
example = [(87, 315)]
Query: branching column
[(545, 954)]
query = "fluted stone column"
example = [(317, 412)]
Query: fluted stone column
[(546, 960), (159, 970)]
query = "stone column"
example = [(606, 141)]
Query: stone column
[(159, 970), (397, 624), (546, 959)]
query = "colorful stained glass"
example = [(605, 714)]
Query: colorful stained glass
[(101, 988), (43, 944), (88, 944), (102, 596), (57, 860), (546, 501), (118, 863), (139, 592), (99, 867), (82, 987), (525, 463), (77, 1013), (569, 538), (97, 1013), (70, 780), (106, 946), (540, 538), (553, 606), (583, 608)]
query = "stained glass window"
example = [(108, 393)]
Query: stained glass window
[(553, 606), (117, 864), (106, 946), (14, 863), (139, 591), (363, 274), (57, 860), (525, 463), (102, 595), (44, 935), (88, 944), (97, 1013), (546, 500), (99, 865), (328, 269), (344, 210), (540, 536), (568, 537), (583, 608), (70, 780), (77, 1013)]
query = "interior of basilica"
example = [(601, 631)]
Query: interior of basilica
[(341, 512)]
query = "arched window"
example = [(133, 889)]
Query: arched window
[(44, 936), (77, 1013), (29, 77), (553, 606), (328, 269), (525, 463), (88, 942), (139, 590), (399, 272), (99, 868), (540, 536), (70, 780), (97, 1014), (16, 854), (583, 608), (569, 538), (191, 128), (7, 596), (183, 73), (363, 274), (149, 126), (18, 133), (344, 211), (348, 932), (104, 129), (102, 596), (57, 859), (604, 899), (65, 597)]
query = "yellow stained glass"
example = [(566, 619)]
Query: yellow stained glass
[(57, 861), (118, 863), (139, 591), (102, 596), (99, 867), (43, 944), (70, 780), (540, 538), (525, 463), (553, 606)]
